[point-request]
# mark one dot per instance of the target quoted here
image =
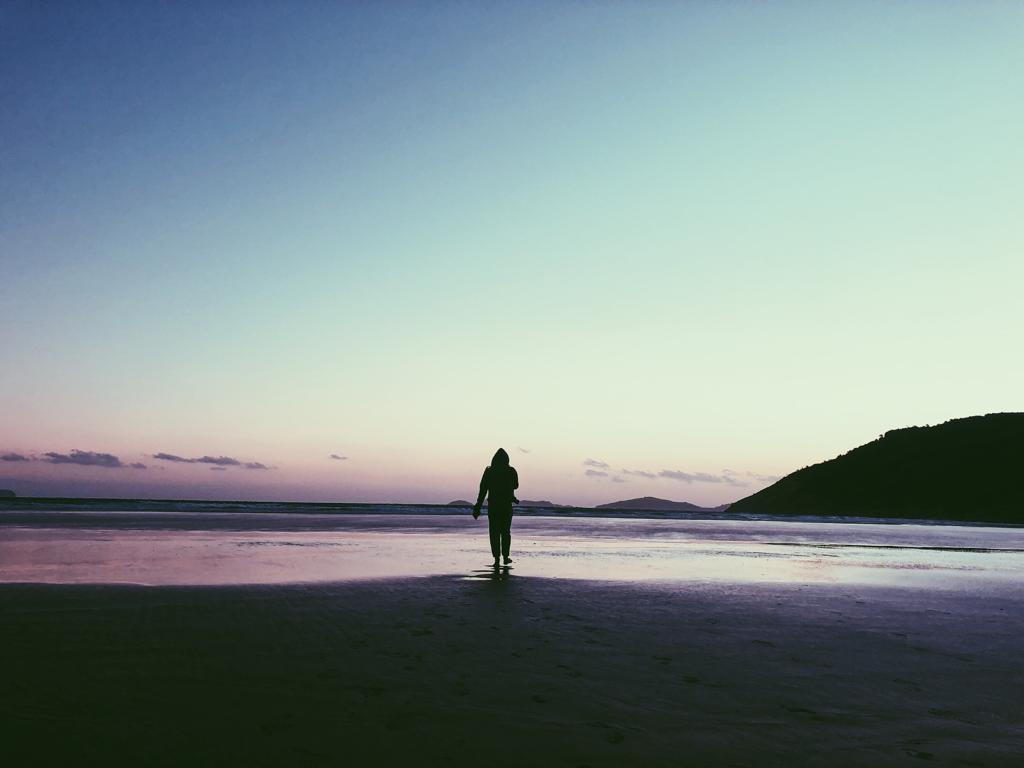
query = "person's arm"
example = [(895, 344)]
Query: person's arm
[(483, 492), (515, 484)]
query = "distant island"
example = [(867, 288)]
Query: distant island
[(645, 504), (523, 503), (965, 469), (7, 494), (652, 504)]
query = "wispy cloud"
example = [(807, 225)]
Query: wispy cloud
[(524, 450), (218, 469), (218, 461), (222, 461), (14, 457), (338, 457), (171, 457), (595, 463), (618, 479), (595, 473), (698, 477), (726, 477), (84, 458), (639, 473), (137, 465), (741, 478)]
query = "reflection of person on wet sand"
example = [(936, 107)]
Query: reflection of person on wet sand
[(498, 484)]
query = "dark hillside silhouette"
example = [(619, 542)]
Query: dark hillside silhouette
[(965, 469)]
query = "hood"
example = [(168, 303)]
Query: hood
[(500, 458)]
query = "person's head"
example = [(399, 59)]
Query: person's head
[(500, 458)]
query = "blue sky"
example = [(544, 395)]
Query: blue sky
[(681, 238)]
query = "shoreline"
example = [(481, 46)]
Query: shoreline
[(23, 507)]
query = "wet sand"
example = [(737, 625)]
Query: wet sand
[(524, 667), (167, 549)]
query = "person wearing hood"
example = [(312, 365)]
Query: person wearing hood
[(498, 484)]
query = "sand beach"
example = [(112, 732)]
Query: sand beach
[(550, 662)]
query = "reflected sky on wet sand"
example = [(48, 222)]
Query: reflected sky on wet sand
[(274, 549)]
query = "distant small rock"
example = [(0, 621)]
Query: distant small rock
[(7, 494), (460, 503)]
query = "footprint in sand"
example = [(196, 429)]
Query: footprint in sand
[(569, 671), (611, 734), (910, 683), (369, 691), (798, 710), (920, 755)]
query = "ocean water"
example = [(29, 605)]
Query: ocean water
[(189, 542)]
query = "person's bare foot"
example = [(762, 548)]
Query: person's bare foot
[(507, 560), (496, 562)]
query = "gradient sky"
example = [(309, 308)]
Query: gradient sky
[(710, 242)]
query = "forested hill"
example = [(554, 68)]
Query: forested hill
[(965, 469)]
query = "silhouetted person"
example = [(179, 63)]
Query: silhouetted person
[(498, 484)]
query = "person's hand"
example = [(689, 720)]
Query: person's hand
[(476, 511)]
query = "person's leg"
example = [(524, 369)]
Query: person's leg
[(494, 529), (506, 535)]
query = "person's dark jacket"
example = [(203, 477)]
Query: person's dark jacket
[(498, 484)]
